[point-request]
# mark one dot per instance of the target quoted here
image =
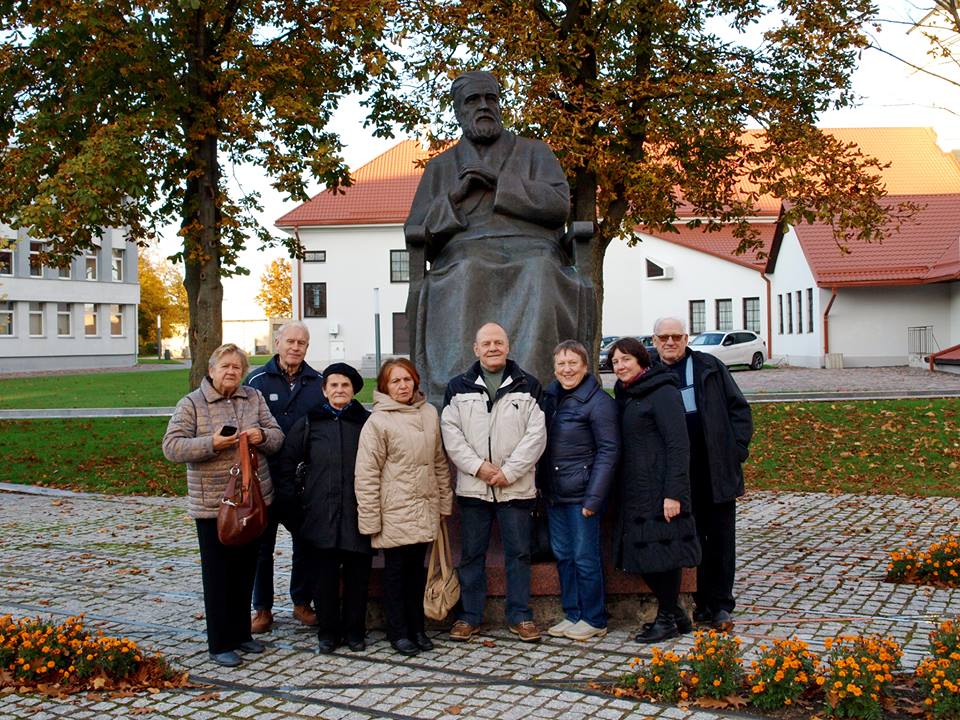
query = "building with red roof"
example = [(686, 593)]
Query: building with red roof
[(813, 303)]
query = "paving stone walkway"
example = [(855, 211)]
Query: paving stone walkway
[(810, 564)]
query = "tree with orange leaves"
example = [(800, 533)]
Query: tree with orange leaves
[(125, 114)]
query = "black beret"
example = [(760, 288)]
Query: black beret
[(340, 368)]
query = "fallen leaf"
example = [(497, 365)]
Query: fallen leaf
[(736, 701), (489, 643), (56, 503), (207, 696), (99, 682), (140, 711), (712, 703), (454, 710)]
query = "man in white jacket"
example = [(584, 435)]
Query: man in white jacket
[(494, 432)]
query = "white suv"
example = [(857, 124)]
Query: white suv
[(734, 347)]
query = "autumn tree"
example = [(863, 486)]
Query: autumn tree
[(647, 103), (161, 293), (276, 294), (128, 113)]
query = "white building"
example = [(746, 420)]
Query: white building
[(354, 244), (83, 316)]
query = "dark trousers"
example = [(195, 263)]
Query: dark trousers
[(341, 614), (476, 522), (300, 592), (717, 530), (227, 573), (666, 588), (404, 579)]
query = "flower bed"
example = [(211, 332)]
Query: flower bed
[(37, 654), (937, 565), (854, 678)]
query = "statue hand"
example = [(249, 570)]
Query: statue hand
[(481, 173)]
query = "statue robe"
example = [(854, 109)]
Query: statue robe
[(495, 258)]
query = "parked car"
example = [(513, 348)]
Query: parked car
[(604, 362), (735, 347)]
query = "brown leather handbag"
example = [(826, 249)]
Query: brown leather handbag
[(243, 514), (443, 585)]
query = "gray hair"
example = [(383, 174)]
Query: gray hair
[(474, 76), (229, 349), (292, 325), (573, 346), (670, 318)]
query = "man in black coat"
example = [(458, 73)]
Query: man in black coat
[(720, 426), (292, 389)]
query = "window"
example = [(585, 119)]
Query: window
[(809, 310), (116, 267), (698, 316), (401, 334), (653, 270), (799, 312), (6, 255), (751, 314), (65, 272), (780, 313), (64, 316), (399, 266), (789, 313), (90, 266), (116, 320), (6, 318), (90, 319), (725, 314), (36, 319), (315, 300), (315, 256), (36, 267)]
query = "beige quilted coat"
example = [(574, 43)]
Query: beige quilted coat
[(189, 439), (402, 478)]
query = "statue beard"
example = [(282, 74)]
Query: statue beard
[(482, 134)]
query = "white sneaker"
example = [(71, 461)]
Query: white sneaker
[(560, 629), (584, 631)]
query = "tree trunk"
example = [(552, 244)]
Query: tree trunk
[(202, 273)]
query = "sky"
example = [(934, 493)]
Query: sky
[(891, 95)]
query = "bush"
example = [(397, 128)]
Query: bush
[(938, 565), (938, 678), (781, 674), (858, 674), (716, 667), (660, 679)]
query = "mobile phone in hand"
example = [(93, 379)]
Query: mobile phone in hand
[(228, 430)]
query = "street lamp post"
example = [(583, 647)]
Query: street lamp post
[(376, 325), (159, 355)]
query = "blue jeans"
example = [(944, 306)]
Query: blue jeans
[(476, 522), (575, 541)]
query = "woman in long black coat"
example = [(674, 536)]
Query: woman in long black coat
[(655, 533), (329, 505)]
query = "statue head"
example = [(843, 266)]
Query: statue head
[(476, 103)]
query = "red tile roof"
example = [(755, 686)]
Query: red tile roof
[(722, 243), (926, 250), (381, 194)]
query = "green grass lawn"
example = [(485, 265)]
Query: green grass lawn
[(120, 389), (904, 447)]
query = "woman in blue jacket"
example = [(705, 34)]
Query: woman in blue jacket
[(583, 443)]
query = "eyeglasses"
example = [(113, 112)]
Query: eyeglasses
[(675, 337)]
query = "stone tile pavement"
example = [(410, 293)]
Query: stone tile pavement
[(810, 564)]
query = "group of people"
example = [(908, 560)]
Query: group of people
[(663, 457)]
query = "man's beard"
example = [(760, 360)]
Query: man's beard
[(483, 134)]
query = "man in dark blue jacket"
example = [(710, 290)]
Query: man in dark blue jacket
[(292, 389), (720, 426)]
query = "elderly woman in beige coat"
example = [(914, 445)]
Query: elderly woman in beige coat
[(403, 487), (204, 433)]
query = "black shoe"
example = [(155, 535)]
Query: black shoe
[(326, 646), (683, 622), (702, 615), (404, 646), (422, 641), (663, 628), (722, 620), (227, 659), (356, 643), (252, 646)]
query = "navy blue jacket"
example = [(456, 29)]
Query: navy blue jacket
[(583, 445)]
